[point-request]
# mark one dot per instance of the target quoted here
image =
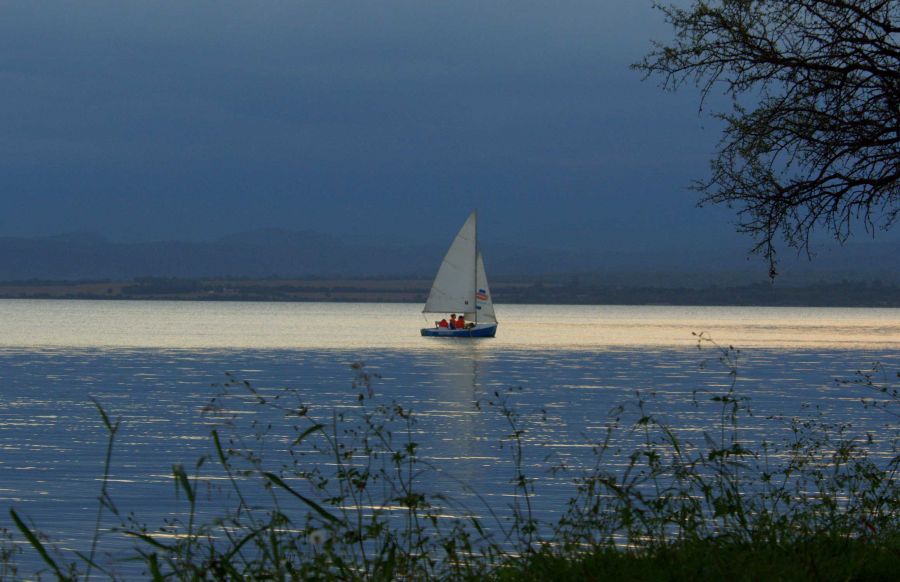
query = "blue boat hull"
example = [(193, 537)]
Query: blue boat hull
[(482, 330)]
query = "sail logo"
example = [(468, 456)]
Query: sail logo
[(481, 295)]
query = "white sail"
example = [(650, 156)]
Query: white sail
[(453, 290), (483, 301)]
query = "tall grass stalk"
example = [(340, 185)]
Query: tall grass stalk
[(104, 500)]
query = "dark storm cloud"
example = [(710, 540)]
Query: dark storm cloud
[(195, 119)]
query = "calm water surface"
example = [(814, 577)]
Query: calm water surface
[(156, 365)]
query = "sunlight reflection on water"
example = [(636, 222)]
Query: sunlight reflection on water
[(206, 325)]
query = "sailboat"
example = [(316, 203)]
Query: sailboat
[(461, 286)]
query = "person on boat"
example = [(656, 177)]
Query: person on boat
[(453, 321), (443, 323), (461, 322)]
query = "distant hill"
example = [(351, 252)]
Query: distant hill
[(283, 253)]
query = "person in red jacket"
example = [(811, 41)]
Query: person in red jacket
[(443, 323), (461, 322), (453, 324)]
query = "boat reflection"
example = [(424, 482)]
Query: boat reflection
[(456, 426)]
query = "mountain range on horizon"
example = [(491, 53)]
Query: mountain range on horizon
[(304, 254)]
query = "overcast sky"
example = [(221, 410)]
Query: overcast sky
[(190, 120)]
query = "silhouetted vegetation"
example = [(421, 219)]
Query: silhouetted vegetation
[(812, 140)]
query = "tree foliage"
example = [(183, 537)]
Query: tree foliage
[(812, 140)]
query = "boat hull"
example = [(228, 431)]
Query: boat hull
[(480, 330)]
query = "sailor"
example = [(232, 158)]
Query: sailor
[(453, 324), (443, 323), (461, 322)]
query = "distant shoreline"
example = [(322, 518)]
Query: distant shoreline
[(843, 294)]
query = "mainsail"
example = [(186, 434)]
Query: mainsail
[(453, 290)]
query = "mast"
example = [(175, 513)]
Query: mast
[(475, 266)]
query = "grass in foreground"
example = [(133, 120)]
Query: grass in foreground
[(819, 558)]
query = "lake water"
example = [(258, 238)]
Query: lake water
[(156, 365)]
